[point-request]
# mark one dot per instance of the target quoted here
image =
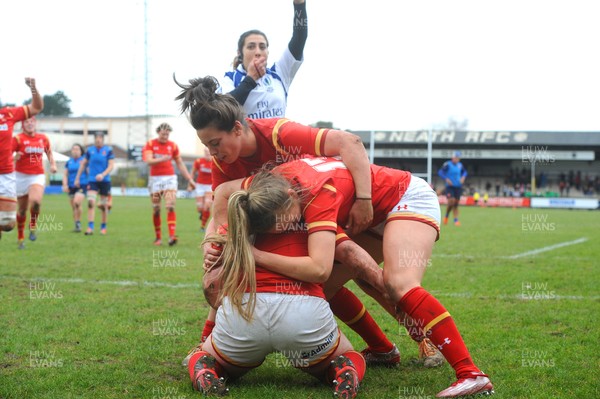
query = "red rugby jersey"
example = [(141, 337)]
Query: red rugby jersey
[(8, 117), (32, 150), (288, 244), (203, 167), (156, 149), (278, 140), (328, 190)]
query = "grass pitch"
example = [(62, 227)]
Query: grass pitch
[(112, 316)]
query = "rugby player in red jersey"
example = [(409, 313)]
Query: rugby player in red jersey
[(29, 147), (159, 153), (261, 312), (240, 146), (8, 188), (319, 192), (202, 170)]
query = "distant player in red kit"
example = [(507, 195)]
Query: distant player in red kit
[(8, 188), (202, 166), (162, 183), (29, 148)]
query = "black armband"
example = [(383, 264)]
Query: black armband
[(241, 92)]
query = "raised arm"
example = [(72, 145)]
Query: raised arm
[(350, 148), (300, 32), (37, 102)]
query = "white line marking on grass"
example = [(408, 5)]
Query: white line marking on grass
[(123, 283), (548, 248), (128, 283)]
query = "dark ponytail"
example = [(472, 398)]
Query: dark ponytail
[(205, 107)]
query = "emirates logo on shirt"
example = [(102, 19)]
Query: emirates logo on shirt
[(33, 150)]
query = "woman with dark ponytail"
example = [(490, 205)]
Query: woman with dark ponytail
[(261, 90), (240, 146)]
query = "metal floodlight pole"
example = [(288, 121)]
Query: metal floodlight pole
[(533, 174), (146, 90)]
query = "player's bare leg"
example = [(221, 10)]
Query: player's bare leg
[(36, 193), (155, 199), (92, 195), (22, 204), (449, 208), (407, 249), (103, 206), (348, 307), (8, 214), (204, 209), (170, 197), (373, 245), (200, 210), (455, 212), (76, 202)]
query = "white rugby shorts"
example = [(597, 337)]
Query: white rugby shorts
[(157, 184), (8, 186), (300, 327), (203, 189), (24, 181), (419, 203)]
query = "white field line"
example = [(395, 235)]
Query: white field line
[(128, 283), (548, 248), (521, 255)]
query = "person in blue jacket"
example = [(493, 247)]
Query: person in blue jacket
[(454, 174), (99, 159), (76, 194)]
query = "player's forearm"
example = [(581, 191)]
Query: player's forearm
[(354, 156), (37, 101), (109, 169), (183, 169), (243, 90), (303, 268), (81, 169), (50, 156)]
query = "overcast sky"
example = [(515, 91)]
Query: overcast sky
[(378, 64)]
